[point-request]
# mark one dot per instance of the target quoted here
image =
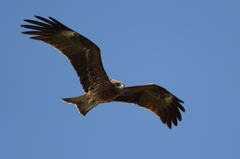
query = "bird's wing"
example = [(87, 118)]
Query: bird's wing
[(83, 54), (156, 99)]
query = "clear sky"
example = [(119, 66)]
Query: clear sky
[(191, 48)]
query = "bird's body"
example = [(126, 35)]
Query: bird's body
[(96, 95), (85, 58)]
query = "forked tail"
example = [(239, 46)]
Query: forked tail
[(81, 103)]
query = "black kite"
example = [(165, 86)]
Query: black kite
[(85, 58)]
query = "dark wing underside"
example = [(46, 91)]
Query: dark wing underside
[(83, 54), (156, 99)]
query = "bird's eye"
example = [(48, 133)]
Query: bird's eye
[(119, 85)]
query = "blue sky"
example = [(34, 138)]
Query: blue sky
[(191, 48)]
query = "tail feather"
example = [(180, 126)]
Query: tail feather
[(82, 105)]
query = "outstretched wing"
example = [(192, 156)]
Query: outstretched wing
[(156, 99), (83, 54)]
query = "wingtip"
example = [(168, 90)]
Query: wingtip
[(180, 100), (169, 124), (23, 27), (37, 16), (182, 108)]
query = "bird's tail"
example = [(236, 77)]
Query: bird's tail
[(82, 105)]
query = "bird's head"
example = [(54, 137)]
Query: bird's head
[(119, 84)]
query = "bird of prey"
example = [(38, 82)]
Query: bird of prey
[(85, 58)]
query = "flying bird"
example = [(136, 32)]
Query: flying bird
[(85, 58)]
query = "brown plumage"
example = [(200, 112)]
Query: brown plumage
[(85, 58)]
